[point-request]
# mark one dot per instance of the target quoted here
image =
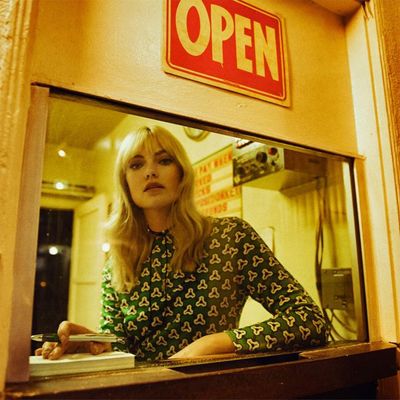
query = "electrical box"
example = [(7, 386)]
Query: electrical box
[(272, 167), (337, 289)]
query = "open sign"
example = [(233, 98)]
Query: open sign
[(227, 43)]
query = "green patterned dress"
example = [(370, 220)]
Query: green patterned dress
[(168, 310)]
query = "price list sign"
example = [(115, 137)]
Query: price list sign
[(215, 194)]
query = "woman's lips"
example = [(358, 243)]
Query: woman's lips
[(150, 186)]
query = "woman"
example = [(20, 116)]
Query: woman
[(176, 281)]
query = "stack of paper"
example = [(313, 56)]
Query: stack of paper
[(80, 362)]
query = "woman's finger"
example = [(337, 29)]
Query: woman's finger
[(67, 328), (56, 353), (98, 348), (64, 330), (47, 348)]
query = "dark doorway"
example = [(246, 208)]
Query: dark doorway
[(52, 270)]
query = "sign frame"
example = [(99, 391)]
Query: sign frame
[(170, 64)]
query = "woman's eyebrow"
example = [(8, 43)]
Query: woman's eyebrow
[(156, 154), (136, 156), (160, 152)]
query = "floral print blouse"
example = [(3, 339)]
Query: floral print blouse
[(168, 310)]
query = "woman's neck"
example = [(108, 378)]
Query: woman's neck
[(157, 220)]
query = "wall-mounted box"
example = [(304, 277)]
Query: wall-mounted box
[(275, 168), (337, 289)]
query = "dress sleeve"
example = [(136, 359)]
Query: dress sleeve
[(111, 320), (296, 321)]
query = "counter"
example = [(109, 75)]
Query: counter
[(347, 371)]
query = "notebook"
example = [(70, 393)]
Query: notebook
[(80, 363)]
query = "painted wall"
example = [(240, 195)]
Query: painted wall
[(115, 52)]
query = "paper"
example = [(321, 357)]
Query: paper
[(80, 362)]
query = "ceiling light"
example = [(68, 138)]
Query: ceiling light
[(61, 153)]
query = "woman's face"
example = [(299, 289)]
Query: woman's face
[(153, 177)]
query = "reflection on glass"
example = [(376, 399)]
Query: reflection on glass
[(300, 202)]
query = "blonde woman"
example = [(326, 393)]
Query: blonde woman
[(176, 281)]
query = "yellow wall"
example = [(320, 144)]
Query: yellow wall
[(96, 47)]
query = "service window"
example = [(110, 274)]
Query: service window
[(300, 201)]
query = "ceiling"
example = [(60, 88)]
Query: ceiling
[(340, 7), (76, 124)]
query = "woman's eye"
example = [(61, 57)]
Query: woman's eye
[(166, 161), (135, 165)]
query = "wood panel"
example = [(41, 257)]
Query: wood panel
[(353, 368), (26, 238)]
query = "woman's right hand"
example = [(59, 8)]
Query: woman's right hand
[(53, 350)]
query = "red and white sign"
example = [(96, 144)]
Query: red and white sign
[(227, 43)]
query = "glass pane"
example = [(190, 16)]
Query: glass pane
[(300, 202)]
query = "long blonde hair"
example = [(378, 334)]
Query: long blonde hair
[(128, 233)]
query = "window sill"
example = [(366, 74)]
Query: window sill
[(313, 372)]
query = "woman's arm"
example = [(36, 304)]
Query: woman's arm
[(296, 319), (217, 343)]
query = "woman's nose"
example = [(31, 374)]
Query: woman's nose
[(151, 172)]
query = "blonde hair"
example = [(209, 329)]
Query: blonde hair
[(128, 233)]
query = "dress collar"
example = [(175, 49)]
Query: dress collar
[(162, 233)]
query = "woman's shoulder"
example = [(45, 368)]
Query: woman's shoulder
[(230, 223)]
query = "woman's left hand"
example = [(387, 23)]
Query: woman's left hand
[(217, 343)]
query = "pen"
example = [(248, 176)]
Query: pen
[(82, 337)]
